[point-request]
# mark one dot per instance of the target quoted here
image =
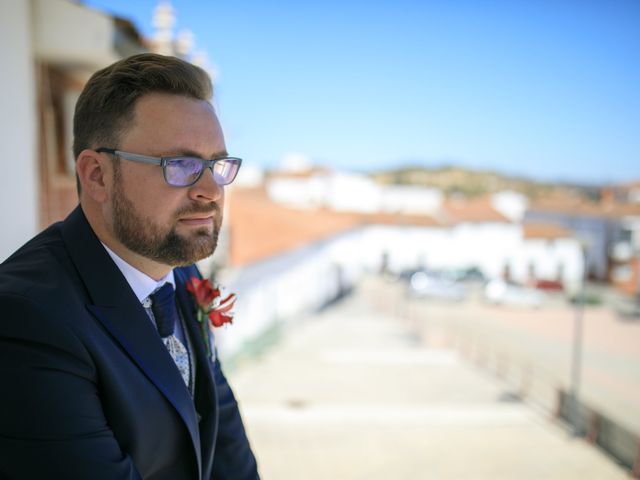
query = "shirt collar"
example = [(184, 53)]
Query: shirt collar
[(141, 284)]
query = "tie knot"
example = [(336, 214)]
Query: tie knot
[(163, 306)]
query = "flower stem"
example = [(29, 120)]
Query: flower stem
[(204, 329)]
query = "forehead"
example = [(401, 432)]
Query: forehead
[(165, 123)]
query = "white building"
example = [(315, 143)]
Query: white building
[(286, 282), (350, 192), (18, 183), (49, 49)]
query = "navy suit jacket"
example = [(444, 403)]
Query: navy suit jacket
[(87, 388)]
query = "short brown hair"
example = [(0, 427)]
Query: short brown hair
[(105, 107)]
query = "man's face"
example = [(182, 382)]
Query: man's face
[(169, 225)]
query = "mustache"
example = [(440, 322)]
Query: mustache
[(212, 207)]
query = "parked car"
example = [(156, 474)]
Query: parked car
[(423, 284), (499, 292)]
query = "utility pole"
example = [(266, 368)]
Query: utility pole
[(576, 363)]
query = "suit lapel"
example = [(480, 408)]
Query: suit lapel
[(119, 311), (205, 395)]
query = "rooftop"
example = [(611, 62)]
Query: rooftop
[(471, 210), (546, 231), (261, 227)]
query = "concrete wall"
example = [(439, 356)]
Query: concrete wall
[(18, 165), (283, 288), (69, 33)]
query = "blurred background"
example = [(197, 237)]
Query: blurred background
[(435, 234)]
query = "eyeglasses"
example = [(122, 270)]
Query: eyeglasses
[(185, 171)]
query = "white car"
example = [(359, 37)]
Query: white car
[(423, 284), (499, 292)]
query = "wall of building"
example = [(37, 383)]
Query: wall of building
[(18, 181), (283, 288), (596, 233), (350, 192), (487, 246), (558, 259)]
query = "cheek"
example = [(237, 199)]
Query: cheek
[(150, 197), (160, 208)]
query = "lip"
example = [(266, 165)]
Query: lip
[(197, 221)]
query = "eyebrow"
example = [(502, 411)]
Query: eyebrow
[(191, 153)]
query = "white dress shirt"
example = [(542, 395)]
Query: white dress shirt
[(143, 286)]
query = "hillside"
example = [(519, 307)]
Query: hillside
[(472, 183)]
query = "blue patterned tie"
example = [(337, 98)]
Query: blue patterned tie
[(165, 313)]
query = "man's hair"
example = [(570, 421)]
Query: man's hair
[(106, 105)]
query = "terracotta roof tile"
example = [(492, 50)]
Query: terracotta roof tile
[(399, 219), (546, 231), (471, 210), (580, 207), (260, 228)]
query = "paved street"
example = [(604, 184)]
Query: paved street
[(354, 393), (538, 344)]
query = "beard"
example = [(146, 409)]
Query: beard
[(163, 244)]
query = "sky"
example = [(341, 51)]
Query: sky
[(548, 89)]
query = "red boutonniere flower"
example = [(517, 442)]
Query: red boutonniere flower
[(210, 305)]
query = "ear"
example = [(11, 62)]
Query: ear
[(93, 171)]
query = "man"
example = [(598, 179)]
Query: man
[(91, 389)]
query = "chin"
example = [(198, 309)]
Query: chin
[(204, 249)]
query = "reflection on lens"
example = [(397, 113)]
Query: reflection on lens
[(183, 171)]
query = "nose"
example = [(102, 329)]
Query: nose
[(206, 190)]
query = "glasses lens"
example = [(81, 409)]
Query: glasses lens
[(225, 170), (184, 171)]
